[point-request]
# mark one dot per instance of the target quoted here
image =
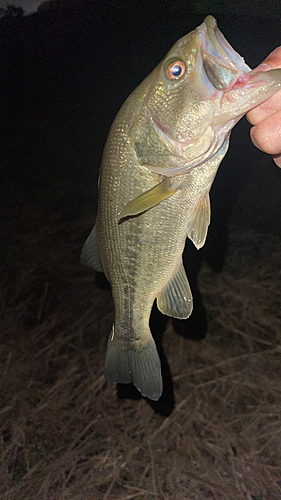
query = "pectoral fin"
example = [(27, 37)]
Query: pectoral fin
[(90, 256), (148, 199), (198, 226), (176, 298)]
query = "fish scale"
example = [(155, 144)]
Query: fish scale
[(159, 162)]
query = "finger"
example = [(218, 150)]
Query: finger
[(272, 104), (273, 60), (277, 160), (266, 135), (264, 110)]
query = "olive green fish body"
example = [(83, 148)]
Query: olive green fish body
[(143, 253)]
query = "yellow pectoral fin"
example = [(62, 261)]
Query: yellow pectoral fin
[(198, 227), (148, 199)]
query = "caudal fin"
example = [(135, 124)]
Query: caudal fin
[(140, 366)]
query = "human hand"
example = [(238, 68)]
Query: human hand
[(266, 118)]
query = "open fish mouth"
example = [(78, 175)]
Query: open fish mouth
[(223, 66)]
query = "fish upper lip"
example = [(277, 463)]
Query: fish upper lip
[(216, 54), (222, 65), (217, 47)]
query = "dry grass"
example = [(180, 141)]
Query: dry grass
[(66, 435)]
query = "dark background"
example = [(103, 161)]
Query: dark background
[(65, 72)]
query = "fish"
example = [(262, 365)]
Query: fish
[(158, 165)]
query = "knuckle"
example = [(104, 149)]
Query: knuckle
[(267, 136)]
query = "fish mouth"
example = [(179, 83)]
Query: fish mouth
[(220, 66), (224, 68)]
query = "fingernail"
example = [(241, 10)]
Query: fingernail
[(263, 67), (277, 160)]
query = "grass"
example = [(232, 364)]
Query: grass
[(65, 434)]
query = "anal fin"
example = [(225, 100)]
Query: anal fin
[(175, 299), (140, 366), (90, 256)]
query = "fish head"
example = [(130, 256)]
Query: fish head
[(192, 100)]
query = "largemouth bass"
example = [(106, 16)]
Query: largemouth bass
[(160, 159)]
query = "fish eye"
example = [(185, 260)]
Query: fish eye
[(175, 70)]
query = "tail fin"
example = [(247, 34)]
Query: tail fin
[(140, 366)]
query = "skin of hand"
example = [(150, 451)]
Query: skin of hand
[(266, 118)]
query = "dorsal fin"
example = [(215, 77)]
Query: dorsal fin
[(90, 256)]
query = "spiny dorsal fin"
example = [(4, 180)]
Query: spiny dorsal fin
[(198, 227), (90, 256), (176, 298), (149, 199)]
